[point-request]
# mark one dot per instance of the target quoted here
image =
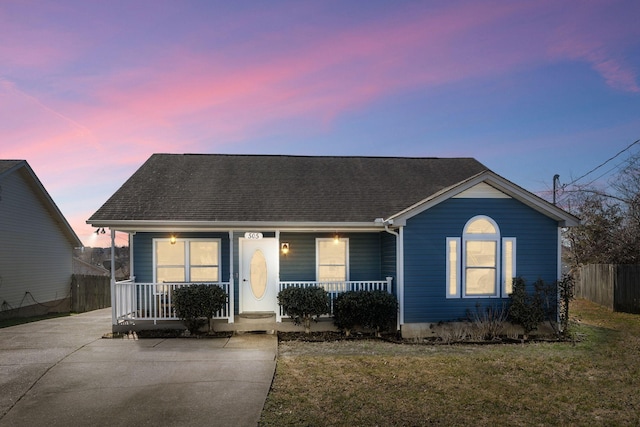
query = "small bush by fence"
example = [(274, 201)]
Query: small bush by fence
[(616, 287), (89, 293)]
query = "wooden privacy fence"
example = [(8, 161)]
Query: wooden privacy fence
[(614, 286), (89, 293)]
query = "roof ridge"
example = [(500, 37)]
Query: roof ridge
[(312, 156)]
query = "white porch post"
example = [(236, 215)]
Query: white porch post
[(114, 320), (278, 316), (131, 276), (231, 286), (558, 272)]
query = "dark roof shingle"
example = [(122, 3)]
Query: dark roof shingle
[(212, 187)]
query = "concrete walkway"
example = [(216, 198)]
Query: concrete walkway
[(60, 372)]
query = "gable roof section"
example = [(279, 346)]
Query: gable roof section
[(233, 189), (497, 182), (8, 167)]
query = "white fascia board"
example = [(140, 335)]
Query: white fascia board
[(564, 218), (130, 226)]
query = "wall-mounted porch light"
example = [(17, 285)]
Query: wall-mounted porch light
[(284, 248)]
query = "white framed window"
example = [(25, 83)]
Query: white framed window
[(508, 264), (480, 264), (453, 267), (332, 260), (480, 257), (186, 260)]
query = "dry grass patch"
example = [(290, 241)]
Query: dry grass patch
[(591, 382)]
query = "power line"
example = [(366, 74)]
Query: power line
[(603, 163), (617, 166)]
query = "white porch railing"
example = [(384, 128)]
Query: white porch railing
[(336, 288), (154, 301)]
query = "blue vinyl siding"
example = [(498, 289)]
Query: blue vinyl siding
[(365, 259), (143, 253), (388, 260), (425, 253)]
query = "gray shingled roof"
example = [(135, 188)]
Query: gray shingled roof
[(5, 165), (222, 188)]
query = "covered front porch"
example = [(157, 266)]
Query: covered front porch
[(150, 305), (251, 267)]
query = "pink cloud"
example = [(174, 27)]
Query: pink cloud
[(328, 76), (590, 33), (229, 98), (105, 122)]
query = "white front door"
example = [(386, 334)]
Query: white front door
[(259, 272)]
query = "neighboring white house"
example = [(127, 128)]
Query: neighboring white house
[(36, 245)]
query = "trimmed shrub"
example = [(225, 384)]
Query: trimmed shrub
[(194, 303), (370, 309), (381, 309), (348, 311), (525, 309), (304, 304)]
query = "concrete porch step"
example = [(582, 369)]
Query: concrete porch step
[(268, 324), (251, 315)]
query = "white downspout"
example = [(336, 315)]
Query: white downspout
[(131, 275), (399, 271), (231, 284)]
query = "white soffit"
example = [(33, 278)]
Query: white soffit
[(481, 191)]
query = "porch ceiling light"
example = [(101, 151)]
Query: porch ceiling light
[(336, 239), (100, 230), (284, 247), (172, 239)]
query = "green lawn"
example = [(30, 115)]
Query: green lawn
[(594, 381)]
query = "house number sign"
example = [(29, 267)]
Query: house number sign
[(253, 236)]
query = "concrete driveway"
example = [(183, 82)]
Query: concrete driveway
[(60, 372)]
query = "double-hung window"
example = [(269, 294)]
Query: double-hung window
[(480, 264), (186, 260), (332, 257)]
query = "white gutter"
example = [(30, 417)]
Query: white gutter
[(161, 225)]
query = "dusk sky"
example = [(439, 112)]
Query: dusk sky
[(90, 89)]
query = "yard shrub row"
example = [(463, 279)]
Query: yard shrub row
[(369, 309)]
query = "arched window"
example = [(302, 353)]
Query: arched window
[(480, 264), (480, 257)]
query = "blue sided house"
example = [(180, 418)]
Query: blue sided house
[(442, 234)]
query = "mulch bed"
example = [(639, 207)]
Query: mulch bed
[(165, 333)]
